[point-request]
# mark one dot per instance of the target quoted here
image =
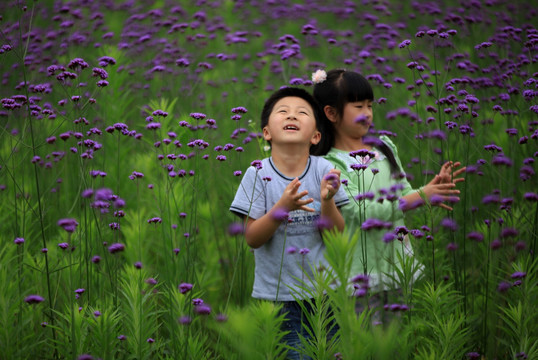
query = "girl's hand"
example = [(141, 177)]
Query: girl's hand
[(447, 176), (438, 193), (292, 200), (330, 184)]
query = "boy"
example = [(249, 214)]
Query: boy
[(280, 218)]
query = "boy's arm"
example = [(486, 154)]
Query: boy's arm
[(259, 231), (329, 211)]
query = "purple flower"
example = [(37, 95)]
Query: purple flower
[(184, 288), (85, 357), (503, 286), (33, 299), (257, 164), (235, 229), (372, 223), (19, 241), (291, 250), (452, 246), (472, 355), (323, 223), (280, 215), (96, 259), (518, 275), (185, 320), (389, 237), (116, 247), (202, 309), (304, 251), (449, 224), (197, 301), (63, 245), (495, 244), (96, 313), (404, 44), (508, 232), (239, 110), (150, 340), (476, 236)]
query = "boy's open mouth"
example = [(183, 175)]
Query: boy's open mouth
[(291, 127)]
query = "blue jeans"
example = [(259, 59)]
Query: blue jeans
[(296, 323)]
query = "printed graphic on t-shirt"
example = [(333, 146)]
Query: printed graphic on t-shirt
[(302, 221)]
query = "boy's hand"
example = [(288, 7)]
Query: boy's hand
[(292, 200), (330, 184)]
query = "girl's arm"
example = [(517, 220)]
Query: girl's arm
[(329, 211), (259, 231)]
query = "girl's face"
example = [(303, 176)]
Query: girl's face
[(356, 119)]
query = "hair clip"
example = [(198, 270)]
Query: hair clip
[(319, 76)]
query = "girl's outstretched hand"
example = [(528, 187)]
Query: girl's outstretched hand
[(448, 175), (330, 184), (438, 192)]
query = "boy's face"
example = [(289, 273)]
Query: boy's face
[(292, 121)]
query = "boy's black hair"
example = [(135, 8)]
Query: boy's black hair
[(293, 92), (339, 88)]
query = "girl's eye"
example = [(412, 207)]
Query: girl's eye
[(302, 112)]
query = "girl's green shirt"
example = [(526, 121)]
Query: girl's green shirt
[(372, 255)]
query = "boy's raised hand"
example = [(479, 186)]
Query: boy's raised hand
[(330, 184), (291, 199)]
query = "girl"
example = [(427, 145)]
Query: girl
[(374, 176)]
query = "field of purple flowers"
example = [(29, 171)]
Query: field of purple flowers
[(125, 127)]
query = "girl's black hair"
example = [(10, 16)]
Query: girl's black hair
[(294, 92), (339, 88)]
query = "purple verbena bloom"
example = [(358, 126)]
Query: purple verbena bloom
[(452, 246), (473, 355), (291, 250), (202, 309), (184, 288), (257, 164), (68, 225), (185, 320), (63, 245), (33, 299), (280, 214), (449, 224), (304, 251), (235, 229), (19, 241), (518, 275), (197, 301), (85, 357), (116, 247), (476, 236)]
